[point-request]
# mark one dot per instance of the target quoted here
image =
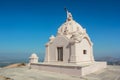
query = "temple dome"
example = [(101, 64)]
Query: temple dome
[(70, 27), (34, 56)]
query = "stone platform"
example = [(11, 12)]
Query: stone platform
[(70, 69)]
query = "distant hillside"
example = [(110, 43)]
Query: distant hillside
[(15, 65), (7, 61), (110, 60)]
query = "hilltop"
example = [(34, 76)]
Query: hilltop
[(24, 73)]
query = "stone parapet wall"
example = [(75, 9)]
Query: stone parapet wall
[(76, 70)]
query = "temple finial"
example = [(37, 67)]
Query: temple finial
[(69, 15)]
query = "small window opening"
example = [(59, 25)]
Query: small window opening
[(84, 51)]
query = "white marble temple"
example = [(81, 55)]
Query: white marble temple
[(70, 51), (71, 45)]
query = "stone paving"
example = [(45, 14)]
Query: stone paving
[(24, 73)]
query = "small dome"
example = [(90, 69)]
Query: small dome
[(52, 37), (34, 56)]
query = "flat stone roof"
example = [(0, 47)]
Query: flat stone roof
[(63, 64)]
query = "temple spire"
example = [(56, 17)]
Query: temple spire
[(69, 15)]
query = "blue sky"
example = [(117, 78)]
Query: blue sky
[(25, 25)]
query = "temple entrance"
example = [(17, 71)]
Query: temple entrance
[(60, 53)]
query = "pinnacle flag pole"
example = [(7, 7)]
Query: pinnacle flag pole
[(66, 11)]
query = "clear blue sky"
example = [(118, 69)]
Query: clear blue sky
[(25, 25)]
